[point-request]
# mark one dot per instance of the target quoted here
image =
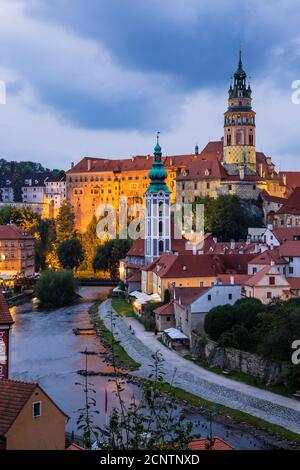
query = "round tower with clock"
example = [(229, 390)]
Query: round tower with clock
[(158, 210), (239, 127)]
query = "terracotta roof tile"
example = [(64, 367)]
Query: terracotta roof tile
[(186, 295), (167, 309), (202, 444), (292, 205), (290, 248), (267, 257), (269, 198), (284, 234), (11, 232), (13, 397)]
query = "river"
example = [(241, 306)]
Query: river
[(44, 349)]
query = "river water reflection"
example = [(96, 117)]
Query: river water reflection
[(45, 350)]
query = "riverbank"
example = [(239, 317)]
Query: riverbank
[(202, 392)]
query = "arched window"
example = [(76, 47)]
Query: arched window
[(160, 228), (160, 247)]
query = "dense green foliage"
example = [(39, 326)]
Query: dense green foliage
[(267, 330), (228, 217), (65, 222), (108, 255), (70, 253), (90, 242), (56, 289)]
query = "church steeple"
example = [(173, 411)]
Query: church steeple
[(239, 126), (158, 174), (158, 209)]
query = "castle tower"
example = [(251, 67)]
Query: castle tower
[(158, 210), (6, 323), (239, 127)]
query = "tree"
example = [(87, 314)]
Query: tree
[(90, 242), (219, 320), (65, 222), (167, 296), (108, 255), (228, 217), (56, 289), (70, 253), (44, 232)]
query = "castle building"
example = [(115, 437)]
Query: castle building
[(95, 181), (158, 210), (231, 166)]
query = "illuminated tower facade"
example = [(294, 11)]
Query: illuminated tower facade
[(239, 127)]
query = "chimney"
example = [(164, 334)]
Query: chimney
[(72, 164), (197, 150), (89, 164), (231, 279), (242, 171), (284, 179), (179, 300), (261, 170), (272, 263)]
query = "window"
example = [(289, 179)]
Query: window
[(269, 295), (229, 187), (272, 280), (168, 318), (291, 259), (209, 297), (254, 270), (291, 270), (229, 296), (37, 409)]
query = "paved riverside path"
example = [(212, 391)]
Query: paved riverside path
[(142, 345)]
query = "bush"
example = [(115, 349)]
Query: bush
[(218, 320), (56, 288)]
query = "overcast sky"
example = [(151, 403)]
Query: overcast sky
[(100, 77)]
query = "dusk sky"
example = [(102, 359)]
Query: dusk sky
[(100, 77)]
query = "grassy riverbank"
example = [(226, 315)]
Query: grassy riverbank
[(122, 307), (122, 358)]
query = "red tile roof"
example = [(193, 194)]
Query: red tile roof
[(294, 282), (267, 257), (186, 295), (284, 234), (292, 205), (13, 397), (165, 310), (5, 316), (200, 169), (11, 232), (269, 198), (135, 163), (291, 179), (238, 279), (75, 447), (290, 248), (203, 444)]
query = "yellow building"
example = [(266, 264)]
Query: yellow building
[(95, 181), (29, 419)]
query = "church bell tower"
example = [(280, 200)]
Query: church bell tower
[(239, 127), (158, 210)]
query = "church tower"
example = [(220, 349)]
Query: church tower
[(158, 210), (239, 127)]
